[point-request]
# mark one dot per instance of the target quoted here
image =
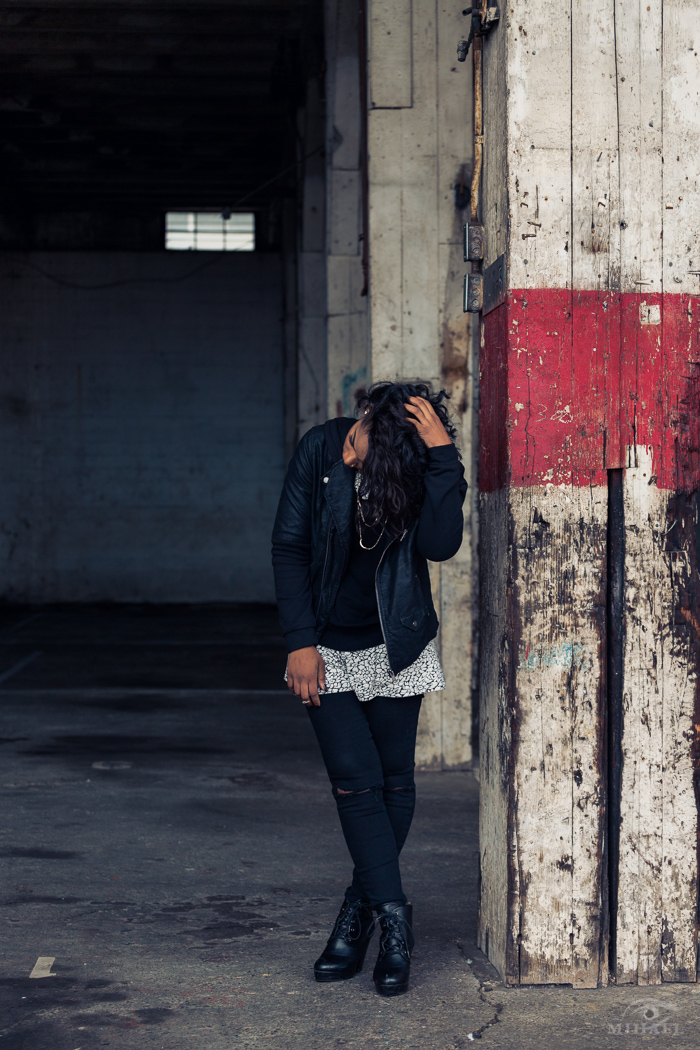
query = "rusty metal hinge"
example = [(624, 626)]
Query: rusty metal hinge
[(483, 292), (473, 242), (483, 16), (473, 293)]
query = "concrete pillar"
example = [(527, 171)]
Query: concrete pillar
[(419, 146), (588, 473), (347, 330), (311, 263)]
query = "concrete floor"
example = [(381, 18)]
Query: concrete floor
[(170, 841)]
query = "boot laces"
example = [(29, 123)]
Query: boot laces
[(343, 924), (393, 938)]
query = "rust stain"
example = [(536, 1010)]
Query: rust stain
[(454, 370), (692, 619)]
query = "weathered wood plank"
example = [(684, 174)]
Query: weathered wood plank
[(681, 705), (656, 937), (544, 659), (495, 206), (641, 820), (498, 930), (681, 146), (595, 239), (681, 255), (539, 143), (639, 82), (592, 356), (560, 551)]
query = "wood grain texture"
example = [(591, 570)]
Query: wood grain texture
[(595, 238), (592, 124), (495, 206), (542, 639), (656, 934), (656, 937), (499, 717), (639, 93), (559, 593), (538, 128), (571, 378), (681, 133)]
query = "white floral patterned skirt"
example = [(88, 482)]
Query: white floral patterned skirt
[(367, 673)]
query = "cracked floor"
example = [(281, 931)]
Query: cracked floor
[(170, 846)]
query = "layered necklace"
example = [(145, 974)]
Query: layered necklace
[(362, 517)]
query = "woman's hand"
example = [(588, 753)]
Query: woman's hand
[(427, 422), (306, 672)]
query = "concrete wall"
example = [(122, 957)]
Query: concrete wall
[(420, 154), (348, 315), (141, 426), (311, 263)]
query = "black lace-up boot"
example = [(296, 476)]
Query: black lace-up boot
[(347, 945), (394, 961)]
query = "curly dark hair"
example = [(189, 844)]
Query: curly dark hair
[(391, 482)]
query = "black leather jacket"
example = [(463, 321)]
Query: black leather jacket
[(311, 541)]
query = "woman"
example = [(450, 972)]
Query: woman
[(365, 504)]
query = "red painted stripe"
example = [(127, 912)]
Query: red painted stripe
[(570, 380)]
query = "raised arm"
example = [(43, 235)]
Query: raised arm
[(441, 522)]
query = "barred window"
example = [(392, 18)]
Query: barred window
[(209, 231)]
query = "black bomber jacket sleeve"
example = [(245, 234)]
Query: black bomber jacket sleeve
[(441, 522), (291, 551)]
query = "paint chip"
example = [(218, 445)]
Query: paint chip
[(42, 967), (649, 313)]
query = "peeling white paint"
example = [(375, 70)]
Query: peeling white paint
[(656, 937), (649, 313), (553, 570)]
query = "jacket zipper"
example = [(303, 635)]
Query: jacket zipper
[(379, 608), (325, 563)]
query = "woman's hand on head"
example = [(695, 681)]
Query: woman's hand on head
[(306, 673), (427, 422)]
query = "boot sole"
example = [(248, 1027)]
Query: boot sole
[(328, 978), (387, 992)]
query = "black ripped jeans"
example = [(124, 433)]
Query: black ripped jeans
[(369, 751)]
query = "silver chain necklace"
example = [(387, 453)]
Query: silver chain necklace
[(362, 517)]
